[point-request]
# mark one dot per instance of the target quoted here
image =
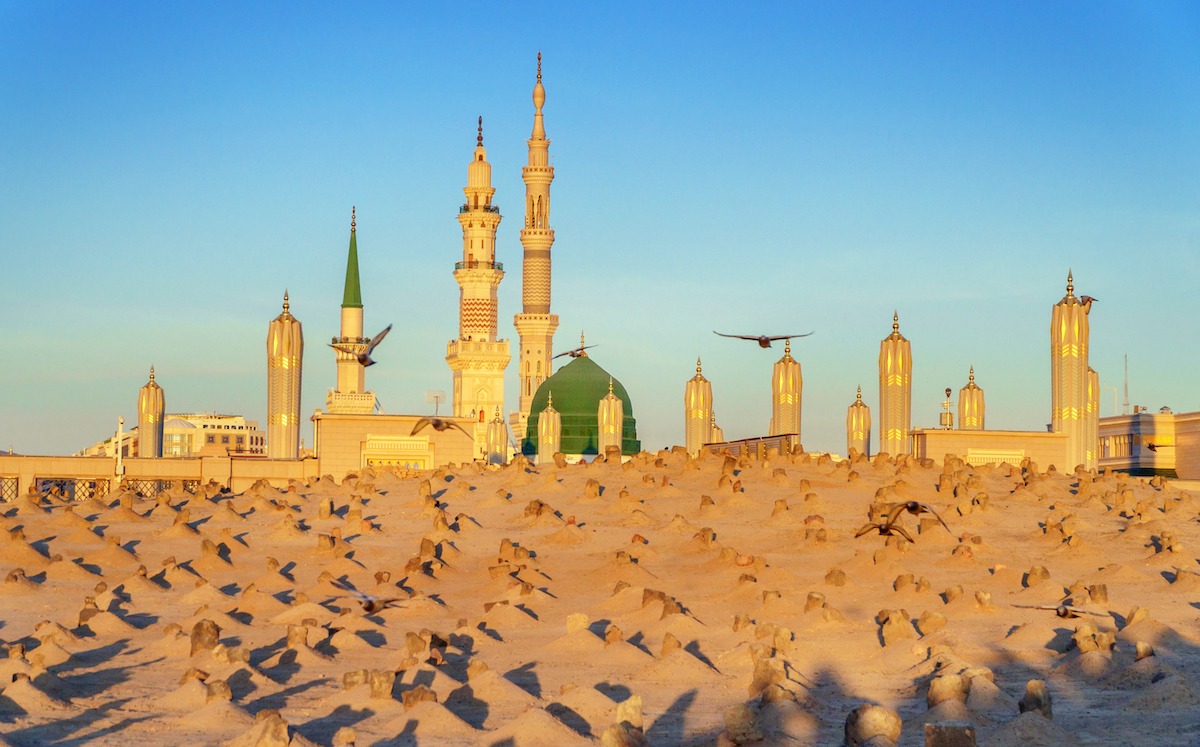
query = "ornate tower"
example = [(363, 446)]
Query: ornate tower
[(350, 395), (787, 388), (858, 427), (970, 405), (611, 417), (895, 391), (1069, 334), (535, 324), (549, 432), (285, 356), (151, 410), (477, 358), (1092, 419), (698, 418)]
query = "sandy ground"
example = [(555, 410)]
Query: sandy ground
[(539, 605)]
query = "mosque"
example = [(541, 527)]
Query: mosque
[(579, 411)]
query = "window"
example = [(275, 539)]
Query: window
[(209, 439), (224, 439)]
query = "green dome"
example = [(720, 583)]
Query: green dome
[(577, 389)]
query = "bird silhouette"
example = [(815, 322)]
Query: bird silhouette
[(916, 508), (370, 603), (885, 529), (764, 341), (364, 358), (438, 424), (576, 352), (1086, 303), (1062, 610)]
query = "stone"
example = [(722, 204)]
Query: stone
[(1036, 699), (205, 635), (418, 694), (949, 687), (870, 721), (382, 681), (949, 734)]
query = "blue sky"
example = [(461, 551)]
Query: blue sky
[(167, 169)]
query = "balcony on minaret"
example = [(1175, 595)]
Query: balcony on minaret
[(479, 264), (485, 208)]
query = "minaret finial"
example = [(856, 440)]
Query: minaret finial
[(285, 299), (1070, 282), (353, 218), (549, 398), (895, 321), (972, 375), (539, 66), (697, 364), (610, 385), (859, 402), (787, 347), (479, 137), (152, 372)]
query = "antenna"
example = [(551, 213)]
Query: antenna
[(435, 397), (1125, 409)]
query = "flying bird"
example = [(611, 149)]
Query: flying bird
[(364, 358), (576, 352), (1086, 303), (764, 341), (885, 529), (1062, 610), (438, 424), (370, 603), (916, 508)]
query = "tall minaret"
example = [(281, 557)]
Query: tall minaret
[(1069, 335), (698, 418), (350, 395), (895, 391), (858, 426), (787, 388), (285, 356), (535, 324), (477, 359), (151, 409), (611, 417), (970, 405)]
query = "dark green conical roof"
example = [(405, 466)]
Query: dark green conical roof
[(578, 388), (352, 296)]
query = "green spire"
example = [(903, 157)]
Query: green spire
[(352, 297)]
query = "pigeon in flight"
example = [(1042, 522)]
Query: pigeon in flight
[(438, 424), (364, 358), (576, 352), (764, 341)]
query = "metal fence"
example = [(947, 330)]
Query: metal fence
[(8, 488)]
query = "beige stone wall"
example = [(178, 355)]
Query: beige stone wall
[(993, 446), (340, 439), (1187, 446)]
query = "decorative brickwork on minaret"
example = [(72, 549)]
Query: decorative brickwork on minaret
[(477, 359), (535, 324)]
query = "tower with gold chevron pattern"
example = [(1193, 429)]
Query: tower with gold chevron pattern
[(895, 391), (1069, 395), (535, 324)]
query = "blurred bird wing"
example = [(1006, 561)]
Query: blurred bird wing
[(419, 425), (929, 510), (456, 425), (866, 528), (785, 337), (903, 533), (378, 338), (739, 337)]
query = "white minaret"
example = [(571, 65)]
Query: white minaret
[(611, 417), (787, 390), (477, 358), (895, 391), (535, 324), (1070, 336), (351, 396)]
